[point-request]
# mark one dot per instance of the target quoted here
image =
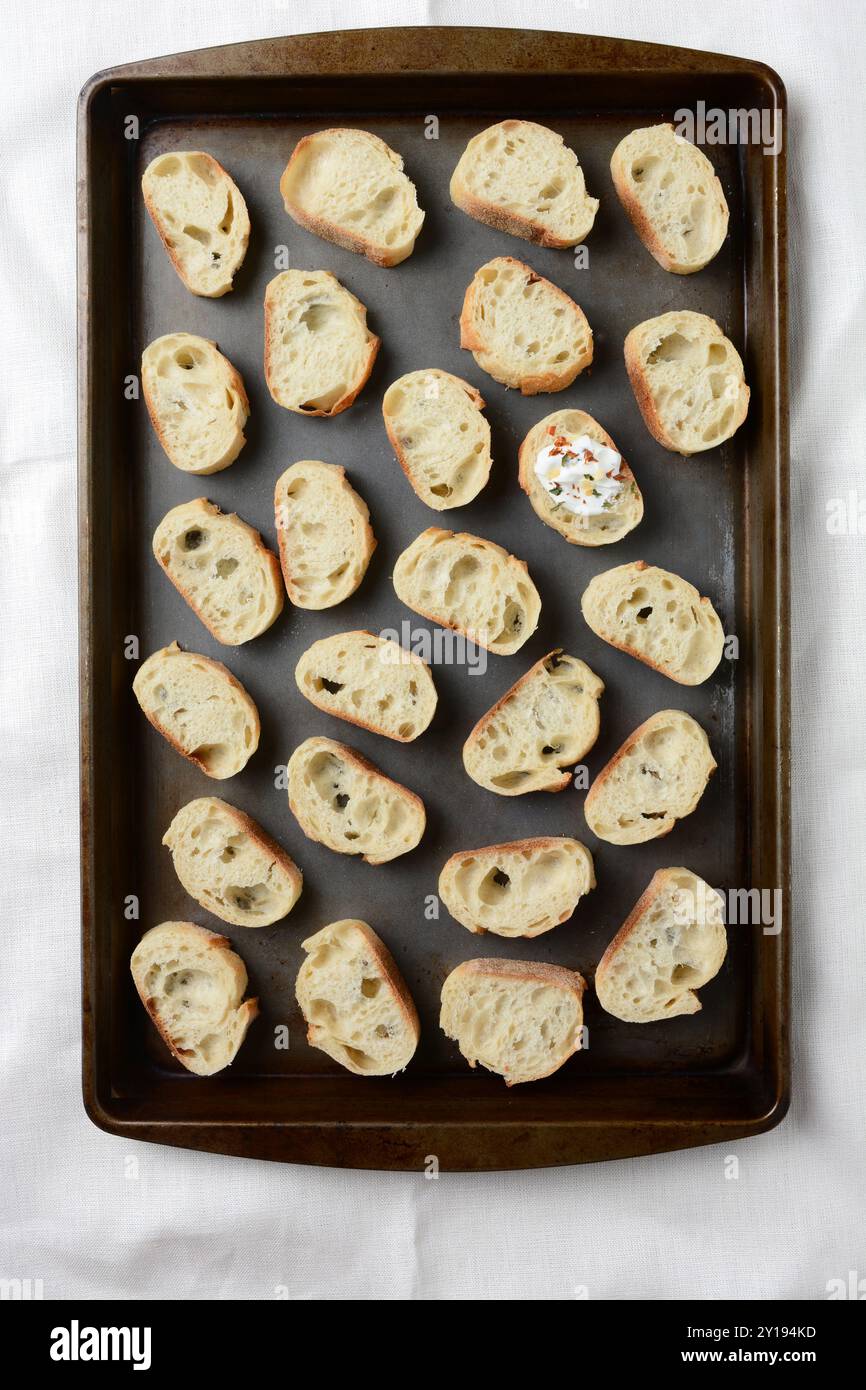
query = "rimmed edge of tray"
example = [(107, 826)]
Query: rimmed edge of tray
[(488, 1144)]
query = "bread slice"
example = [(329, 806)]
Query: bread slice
[(522, 178), (518, 1018), (201, 216), (598, 501), (221, 567), (688, 381), (520, 889), (324, 534), (344, 802), (192, 985), (355, 1002), (369, 681), (523, 330), (672, 942), (657, 617), (319, 351), (440, 437), (198, 705), (532, 736), (348, 186), (196, 401), (670, 191), (658, 776), (230, 865), (470, 585)]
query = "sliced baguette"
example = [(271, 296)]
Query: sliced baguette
[(344, 802), (324, 534), (192, 984), (355, 1002), (201, 217), (440, 437), (519, 1019), (348, 186), (200, 708), (688, 381), (657, 617), (196, 401), (319, 351), (369, 681), (520, 889), (230, 865), (531, 737), (561, 430), (658, 776), (672, 942), (522, 178), (470, 585), (522, 330), (670, 191), (222, 568)]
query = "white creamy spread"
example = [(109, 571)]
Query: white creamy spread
[(581, 475)]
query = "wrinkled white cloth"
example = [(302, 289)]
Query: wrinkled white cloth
[(75, 1211)]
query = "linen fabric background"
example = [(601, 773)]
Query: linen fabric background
[(75, 1211)]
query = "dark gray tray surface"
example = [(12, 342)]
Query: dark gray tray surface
[(693, 524)]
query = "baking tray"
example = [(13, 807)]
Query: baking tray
[(721, 520)]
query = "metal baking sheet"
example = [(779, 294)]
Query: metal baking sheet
[(699, 521)]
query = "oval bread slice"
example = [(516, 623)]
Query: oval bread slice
[(440, 437), (470, 585), (221, 567), (520, 1019), (657, 617), (658, 776), (201, 217), (546, 722), (198, 705), (688, 381), (319, 351), (196, 401), (344, 802), (192, 984), (369, 681), (561, 429), (670, 191), (522, 330), (230, 865), (324, 534), (523, 888), (672, 942), (348, 186), (522, 178), (355, 1002)]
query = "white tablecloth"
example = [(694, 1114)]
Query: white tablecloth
[(75, 1212)]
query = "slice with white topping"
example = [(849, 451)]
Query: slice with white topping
[(577, 481)]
